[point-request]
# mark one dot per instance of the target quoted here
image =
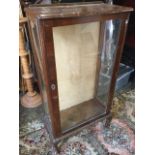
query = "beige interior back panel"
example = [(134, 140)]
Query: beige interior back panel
[(76, 52)]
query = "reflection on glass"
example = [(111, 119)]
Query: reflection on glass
[(111, 36), (77, 63), (41, 75)]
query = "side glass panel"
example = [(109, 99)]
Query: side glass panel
[(80, 67), (108, 52), (40, 71)]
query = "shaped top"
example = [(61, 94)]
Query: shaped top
[(74, 10)]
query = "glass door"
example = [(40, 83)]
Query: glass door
[(84, 56)]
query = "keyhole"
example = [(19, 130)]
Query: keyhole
[(53, 86)]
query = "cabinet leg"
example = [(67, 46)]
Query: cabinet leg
[(53, 151), (107, 121)]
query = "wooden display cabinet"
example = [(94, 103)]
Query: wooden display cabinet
[(77, 50)]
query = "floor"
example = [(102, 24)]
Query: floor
[(118, 139)]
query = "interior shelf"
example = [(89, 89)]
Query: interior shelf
[(80, 113)]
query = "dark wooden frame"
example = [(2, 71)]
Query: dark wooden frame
[(44, 18)]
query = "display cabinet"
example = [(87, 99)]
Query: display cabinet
[(77, 49)]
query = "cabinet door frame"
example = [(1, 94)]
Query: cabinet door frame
[(49, 67)]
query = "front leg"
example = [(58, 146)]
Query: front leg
[(53, 150), (107, 121)]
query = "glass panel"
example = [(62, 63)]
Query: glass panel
[(40, 71), (110, 41), (36, 45), (79, 75)]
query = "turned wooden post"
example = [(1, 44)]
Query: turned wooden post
[(31, 99)]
